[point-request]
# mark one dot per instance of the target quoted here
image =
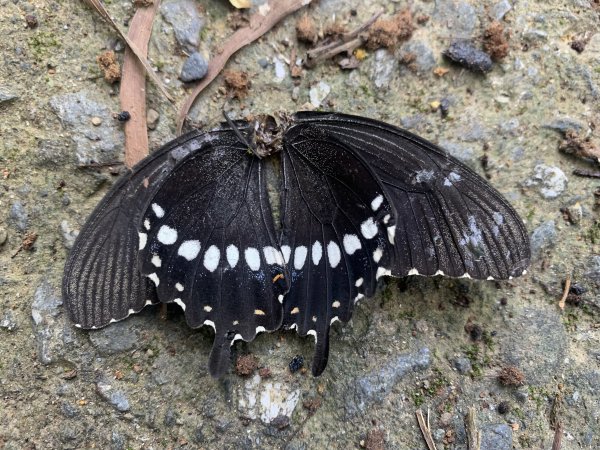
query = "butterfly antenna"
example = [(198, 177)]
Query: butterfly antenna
[(240, 135)]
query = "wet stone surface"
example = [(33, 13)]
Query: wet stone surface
[(143, 383)]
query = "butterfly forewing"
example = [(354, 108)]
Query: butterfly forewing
[(448, 219), (335, 220), (208, 244), (101, 282)]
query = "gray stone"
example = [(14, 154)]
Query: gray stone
[(424, 58), (48, 330), (496, 437), (469, 56), (563, 124), (376, 386), (593, 270), (460, 17), (543, 237), (18, 216), (550, 181), (541, 332), (8, 321), (318, 93), (68, 410), (68, 234), (383, 68), (535, 36), (116, 398), (510, 127), (54, 153), (7, 96), (183, 16), (100, 144), (462, 365), (500, 9), (117, 441), (461, 152), (117, 338), (170, 417), (194, 68), (266, 400)]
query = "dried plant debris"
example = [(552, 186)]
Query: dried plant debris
[(237, 82), (389, 32), (375, 440), (511, 376), (246, 365), (470, 57), (580, 147), (495, 41), (109, 65), (142, 3), (238, 19), (306, 30)]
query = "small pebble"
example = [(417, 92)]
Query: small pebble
[(194, 68), (31, 21), (3, 236), (123, 116), (469, 56), (96, 121), (296, 363), (152, 118)]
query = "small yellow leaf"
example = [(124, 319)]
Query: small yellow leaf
[(241, 4)]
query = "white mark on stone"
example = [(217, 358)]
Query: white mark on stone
[(252, 258), (158, 211), (300, 257), (233, 255), (211, 258), (143, 240), (351, 243), (368, 228), (189, 249), (333, 254), (167, 235), (317, 253), (376, 203)]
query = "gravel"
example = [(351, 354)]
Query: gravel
[(183, 16), (194, 68)]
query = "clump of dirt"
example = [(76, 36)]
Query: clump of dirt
[(142, 3), (237, 82), (389, 32), (511, 376), (375, 440), (580, 147), (334, 30), (495, 41), (306, 30), (312, 404), (246, 365), (109, 65)]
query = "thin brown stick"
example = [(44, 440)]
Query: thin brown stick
[(557, 442), (133, 86), (563, 299), (473, 435), (258, 25), (586, 173), (100, 9), (425, 430)]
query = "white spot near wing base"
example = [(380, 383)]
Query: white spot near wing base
[(376, 203), (252, 258), (167, 235), (300, 257), (211, 258), (317, 253), (351, 243), (368, 228), (189, 249)]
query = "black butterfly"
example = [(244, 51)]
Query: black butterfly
[(360, 199)]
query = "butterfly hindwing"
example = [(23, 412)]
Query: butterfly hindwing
[(208, 244), (334, 236), (101, 283)]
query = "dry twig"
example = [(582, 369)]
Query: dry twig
[(563, 299), (557, 443), (586, 173), (133, 86), (100, 9), (260, 22), (424, 426), (473, 435)]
